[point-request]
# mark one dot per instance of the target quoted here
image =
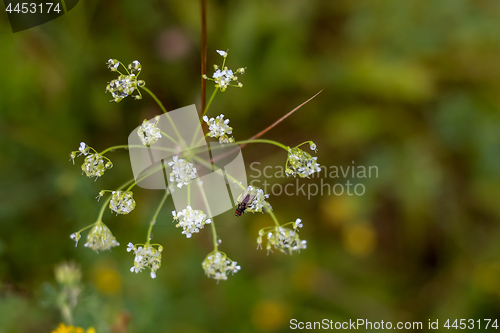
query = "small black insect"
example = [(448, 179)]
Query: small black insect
[(243, 205)]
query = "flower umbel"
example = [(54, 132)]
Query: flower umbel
[(225, 77), (146, 257), (94, 164), (217, 266), (127, 83), (122, 202), (148, 132), (283, 239), (256, 199), (219, 128), (301, 163), (182, 171), (100, 238), (190, 220)]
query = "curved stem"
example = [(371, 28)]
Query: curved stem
[(164, 111), (262, 141), (153, 220), (273, 217)]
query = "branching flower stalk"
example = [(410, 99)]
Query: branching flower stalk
[(216, 265)]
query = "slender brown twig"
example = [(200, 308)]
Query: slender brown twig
[(203, 53), (261, 133)]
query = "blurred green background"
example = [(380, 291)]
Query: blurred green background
[(411, 87)]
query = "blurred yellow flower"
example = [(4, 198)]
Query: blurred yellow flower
[(270, 316), (487, 276), (62, 328), (107, 280), (359, 239), (338, 210)]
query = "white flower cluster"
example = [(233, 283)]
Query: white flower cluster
[(190, 220), (148, 132), (225, 77), (182, 171), (217, 266), (283, 239), (122, 202), (99, 238), (219, 128), (125, 85), (301, 163), (146, 257), (257, 199), (93, 164)]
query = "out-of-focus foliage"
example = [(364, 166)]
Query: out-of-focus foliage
[(411, 87)]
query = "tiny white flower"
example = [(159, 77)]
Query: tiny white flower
[(283, 239), (130, 247), (218, 265), (122, 202), (301, 163), (182, 171), (219, 128), (222, 53), (76, 237), (146, 257), (125, 85), (84, 149), (149, 133), (190, 220), (101, 238)]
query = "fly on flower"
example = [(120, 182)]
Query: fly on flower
[(243, 205), (251, 200)]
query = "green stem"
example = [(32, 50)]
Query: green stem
[(164, 111), (214, 234), (153, 220), (209, 102), (273, 217), (133, 146), (146, 176), (262, 141)]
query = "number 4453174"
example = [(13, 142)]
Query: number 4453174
[(33, 8), (471, 324)]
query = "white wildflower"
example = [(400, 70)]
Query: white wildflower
[(149, 133), (217, 266), (190, 220), (146, 257), (122, 202), (222, 53), (225, 77), (125, 85), (100, 238), (182, 171), (255, 202), (219, 128), (94, 166), (76, 237), (84, 149), (283, 239), (113, 64), (301, 163)]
